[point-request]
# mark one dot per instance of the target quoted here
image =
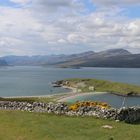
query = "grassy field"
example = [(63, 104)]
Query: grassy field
[(106, 86), (16, 125), (31, 99)]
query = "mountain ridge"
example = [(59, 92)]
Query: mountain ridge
[(118, 58), (106, 58)]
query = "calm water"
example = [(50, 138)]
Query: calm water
[(27, 81), (113, 100)]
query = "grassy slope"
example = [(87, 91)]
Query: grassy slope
[(31, 99), (16, 125), (107, 86)]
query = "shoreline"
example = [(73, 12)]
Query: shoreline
[(68, 95), (125, 95), (35, 96), (71, 96), (73, 90)]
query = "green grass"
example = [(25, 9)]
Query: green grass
[(30, 99), (106, 86), (16, 125)]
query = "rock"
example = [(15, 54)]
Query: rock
[(107, 127)]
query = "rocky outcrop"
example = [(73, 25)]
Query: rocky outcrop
[(129, 115)]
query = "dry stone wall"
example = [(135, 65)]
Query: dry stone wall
[(129, 115)]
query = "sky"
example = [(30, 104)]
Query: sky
[(43, 27)]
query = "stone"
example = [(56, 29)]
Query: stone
[(107, 127)]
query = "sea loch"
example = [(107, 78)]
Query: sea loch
[(34, 81)]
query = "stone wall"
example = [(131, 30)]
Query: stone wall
[(129, 115)]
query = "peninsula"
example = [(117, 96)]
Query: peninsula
[(90, 85)]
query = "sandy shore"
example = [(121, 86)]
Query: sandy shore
[(38, 96), (61, 97), (73, 95)]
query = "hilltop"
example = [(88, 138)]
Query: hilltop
[(109, 58)]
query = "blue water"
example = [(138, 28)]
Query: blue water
[(112, 100), (28, 81)]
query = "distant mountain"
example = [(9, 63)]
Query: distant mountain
[(25, 60), (43, 60), (113, 52), (3, 63), (33, 60), (107, 58)]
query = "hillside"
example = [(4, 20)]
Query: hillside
[(3, 63), (110, 58)]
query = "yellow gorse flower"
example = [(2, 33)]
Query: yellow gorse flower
[(88, 103)]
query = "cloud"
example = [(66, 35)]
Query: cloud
[(63, 26), (115, 2), (54, 6)]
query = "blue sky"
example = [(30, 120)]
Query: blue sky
[(7, 3), (31, 27), (133, 11)]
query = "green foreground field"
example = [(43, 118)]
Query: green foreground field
[(16, 125)]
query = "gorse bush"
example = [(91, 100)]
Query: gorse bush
[(75, 106)]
